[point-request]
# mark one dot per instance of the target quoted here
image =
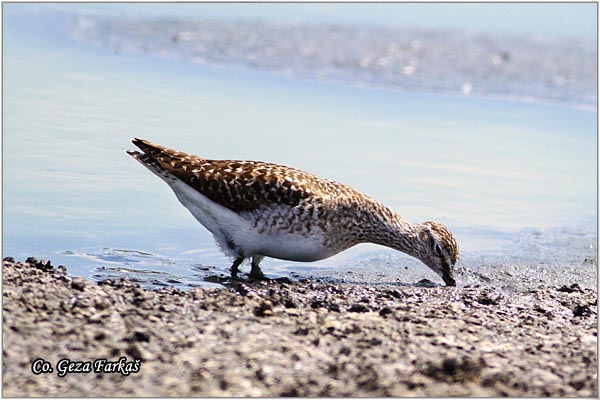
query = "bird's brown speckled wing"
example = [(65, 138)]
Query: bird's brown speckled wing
[(238, 185)]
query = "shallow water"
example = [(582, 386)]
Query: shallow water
[(516, 181)]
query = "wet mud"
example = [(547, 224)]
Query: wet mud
[(283, 338)]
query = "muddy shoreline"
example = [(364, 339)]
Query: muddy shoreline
[(292, 339)]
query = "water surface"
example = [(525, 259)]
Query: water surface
[(515, 180)]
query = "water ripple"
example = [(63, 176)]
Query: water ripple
[(520, 67)]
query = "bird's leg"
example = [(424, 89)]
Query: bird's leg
[(235, 265), (255, 272)]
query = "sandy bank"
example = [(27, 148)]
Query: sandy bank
[(298, 339)]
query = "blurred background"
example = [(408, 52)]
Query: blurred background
[(480, 116)]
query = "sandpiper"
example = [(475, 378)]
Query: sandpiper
[(258, 209)]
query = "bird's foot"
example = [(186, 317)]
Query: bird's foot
[(235, 267), (256, 273)]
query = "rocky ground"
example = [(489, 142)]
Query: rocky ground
[(280, 338)]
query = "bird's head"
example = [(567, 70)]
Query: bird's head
[(438, 250)]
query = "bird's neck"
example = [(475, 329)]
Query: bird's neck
[(389, 229)]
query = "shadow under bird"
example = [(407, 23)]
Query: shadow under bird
[(257, 209)]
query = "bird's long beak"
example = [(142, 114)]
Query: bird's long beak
[(448, 279)]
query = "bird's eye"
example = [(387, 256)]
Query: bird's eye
[(438, 249)]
